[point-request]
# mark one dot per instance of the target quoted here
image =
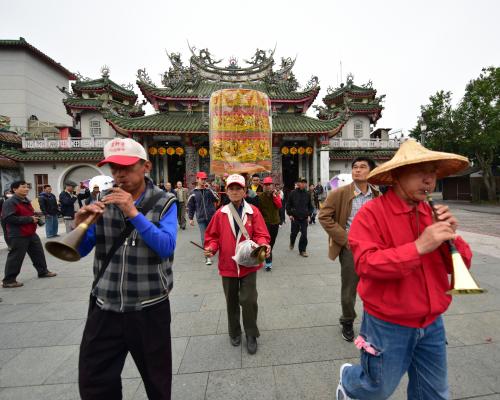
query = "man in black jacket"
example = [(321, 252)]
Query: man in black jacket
[(299, 208), (67, 201), (48, 205), (21, 222)]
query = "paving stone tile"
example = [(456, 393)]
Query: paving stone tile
[(309, 381), (241, 384), (41, 362), (210, 353), (186, 303), (67, 371), (17, 312), (474, 328), (195, 323), (293, 346), (467, 375), (32, 334), (7, 355), (184, 387), (60, 311), (68, 391)]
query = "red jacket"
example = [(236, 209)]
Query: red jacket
[(220, 236), (396, 283)]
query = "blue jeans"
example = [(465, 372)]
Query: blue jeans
[(203, 227), (419, 351), (51, 225)]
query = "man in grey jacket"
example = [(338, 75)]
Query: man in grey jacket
[(131, 312), (202, 204)]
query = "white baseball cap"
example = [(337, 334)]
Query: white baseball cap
[(123, 152), (235, 178)]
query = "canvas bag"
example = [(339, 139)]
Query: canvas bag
[(246, 251)]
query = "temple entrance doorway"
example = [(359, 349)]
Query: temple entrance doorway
[(290, 168)]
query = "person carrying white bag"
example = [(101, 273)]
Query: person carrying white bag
[(238, 232)]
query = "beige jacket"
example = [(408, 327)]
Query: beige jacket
[(334, 214)]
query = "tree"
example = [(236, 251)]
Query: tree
[(478, 121), (472, 128)]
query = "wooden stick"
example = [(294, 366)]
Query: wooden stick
[(197, 245)]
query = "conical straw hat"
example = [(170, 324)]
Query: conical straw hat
[(411, 152)]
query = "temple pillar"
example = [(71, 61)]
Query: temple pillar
[(315, 161), (324, 157), (276, 171), (191, 165)]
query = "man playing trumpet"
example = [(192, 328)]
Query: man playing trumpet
[(403, 263), (132, 309)]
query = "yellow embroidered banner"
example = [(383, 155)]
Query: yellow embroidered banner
[(240, 132)]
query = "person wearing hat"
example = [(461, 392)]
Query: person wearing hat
[(269, 206), (403, 264), (134, 227), (201, 203), (94, 195), (239, 282), (336, 216), (299, 208), (67, 199)]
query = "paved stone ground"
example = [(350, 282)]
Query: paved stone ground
[(300, 348)]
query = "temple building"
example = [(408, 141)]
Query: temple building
[(176, 136), (361, 108)]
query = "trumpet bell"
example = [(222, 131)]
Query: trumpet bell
[(462, 281), (66, 247)]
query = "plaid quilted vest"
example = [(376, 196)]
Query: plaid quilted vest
[(136, 277)]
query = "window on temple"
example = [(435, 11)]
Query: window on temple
[(358, 129), (40, 181), (95, 128)]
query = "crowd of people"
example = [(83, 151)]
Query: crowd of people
[(392, 253)]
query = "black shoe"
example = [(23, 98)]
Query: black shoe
[(347, 331), (235, 341), (251, 344), (291, 246), (304, 254)]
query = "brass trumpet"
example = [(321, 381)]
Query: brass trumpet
[(462, 281), (66, 248)]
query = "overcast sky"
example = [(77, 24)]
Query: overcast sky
[(408, 49)]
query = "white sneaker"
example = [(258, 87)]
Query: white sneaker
[(341, 394), (208, 261)]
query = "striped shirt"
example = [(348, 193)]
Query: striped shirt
[(359, 200)]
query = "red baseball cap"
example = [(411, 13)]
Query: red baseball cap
[(201, 175), (123, 152), (267, 180)]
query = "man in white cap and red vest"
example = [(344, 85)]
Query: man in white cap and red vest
[(133, 230), (239, 282), (202, 204), (269, 206), (403, 262)]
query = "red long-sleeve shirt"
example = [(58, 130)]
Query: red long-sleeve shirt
[(396, 283)]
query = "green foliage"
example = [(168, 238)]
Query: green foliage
[(472, 128)]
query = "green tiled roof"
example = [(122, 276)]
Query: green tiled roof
[(102, 84), (62, 155), (182, 122), (205, 88), (96, 104), (351, 154), (352, 90), (360, 107), (21, 43)]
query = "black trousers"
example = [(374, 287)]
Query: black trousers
[(19, 246), (241, 292), (273, 232), (106, 341), (299, 225)]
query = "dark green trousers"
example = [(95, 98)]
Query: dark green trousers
[(349, 281), (241, 292)]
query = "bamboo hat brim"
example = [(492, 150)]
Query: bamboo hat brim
[(411, 152)]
